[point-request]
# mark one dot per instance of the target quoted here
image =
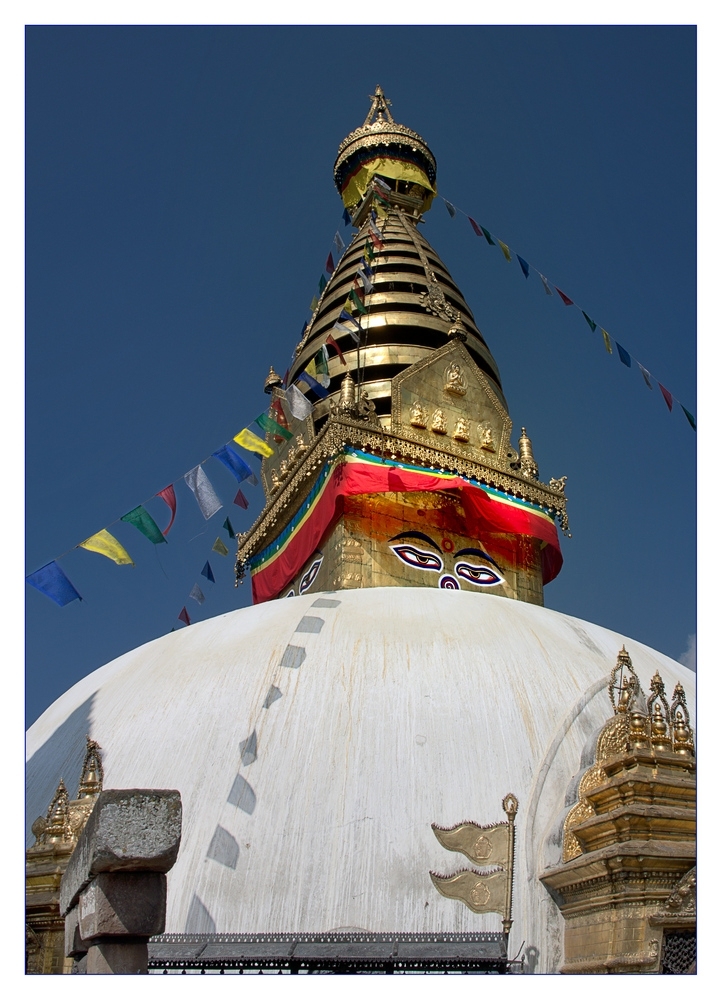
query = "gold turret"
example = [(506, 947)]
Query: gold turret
[(273, 381)]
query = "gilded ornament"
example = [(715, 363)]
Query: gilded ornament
[(486, 436), (462, 431), (418, 415), (283, 469), (455, 380), (558, 484), (438, 422)]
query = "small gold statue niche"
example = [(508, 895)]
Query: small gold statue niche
[(418, 415), (300, 444), (275, 481), (486, 436), (438, 421), (283, 469), (462, 430), (455, 380), (682, 731)]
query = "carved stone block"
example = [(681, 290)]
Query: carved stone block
[(123, 904)]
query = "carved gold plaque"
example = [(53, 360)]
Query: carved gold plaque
[(481, 893), (486, 845)]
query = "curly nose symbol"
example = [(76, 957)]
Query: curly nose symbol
[(449, 583)]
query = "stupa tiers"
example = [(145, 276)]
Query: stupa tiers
[(405, 473)]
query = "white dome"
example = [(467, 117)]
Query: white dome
[(394, 708)]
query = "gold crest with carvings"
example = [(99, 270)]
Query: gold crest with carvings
[(447, 396)]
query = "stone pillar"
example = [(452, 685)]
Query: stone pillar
[(113, 892)]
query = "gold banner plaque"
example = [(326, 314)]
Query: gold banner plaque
[(484, 845), (481, 893)]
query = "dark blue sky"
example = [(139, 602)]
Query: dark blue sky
[(180, 208)]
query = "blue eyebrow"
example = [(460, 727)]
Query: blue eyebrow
[(478, 552), (421, 537)]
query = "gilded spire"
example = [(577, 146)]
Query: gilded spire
[(529, 468), (457, 330), (379, 107), (91, 774)]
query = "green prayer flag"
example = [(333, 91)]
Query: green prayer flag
[(314, 304), (321, 284), (358, 303), (487, 236), (141, 519), (267, 423), (689, 417), (229, 528), (220, 548), (592, 324)]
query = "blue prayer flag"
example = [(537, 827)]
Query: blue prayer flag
[(523, 265), (51, 581), (207, 572), (449, 208), (346, 217), (313, 384), (623, 356), (234, 463)]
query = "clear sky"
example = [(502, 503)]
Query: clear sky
[(180, 208)]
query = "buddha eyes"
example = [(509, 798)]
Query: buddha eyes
[(482, 576), (417, 557)]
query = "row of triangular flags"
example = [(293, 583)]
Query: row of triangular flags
[(624, 356), (196, 593)]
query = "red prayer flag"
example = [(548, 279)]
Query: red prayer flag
[(240, 500), (280, 418), (183, 617), (332, 343), (330, 264), (168, 494), (376, 241), (475, 226), (668, 397), (565, 298)]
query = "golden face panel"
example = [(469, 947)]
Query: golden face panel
[(420, 540)]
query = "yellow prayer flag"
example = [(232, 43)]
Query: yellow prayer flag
[(311, 368), (251, 442), (219, 547), (106, 545), (607, 341), (505, 250)]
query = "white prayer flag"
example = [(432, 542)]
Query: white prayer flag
[(368, 285), (339, 243), (197, 594), (200, 486), (300, 406)]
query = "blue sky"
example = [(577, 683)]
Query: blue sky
[(179, 210)]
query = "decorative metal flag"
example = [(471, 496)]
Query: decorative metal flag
[(523, 265), (141, 519), (339, 243), (646, 376), (330, 264), (251, 442), (229, 528), (607, 341), (52, 581), (200, 486), (219, 547), (449, 208), (482, 893), (197, 594), (623, 355), (106, 545), (300, 406), (169, 497), (207, 572), (183, 616), (234, 463), (332, 343), (266, 423), (668, 397), (565, 298), (240, 501), (313, 384), (505, 250), (590, 321), (547, 289)]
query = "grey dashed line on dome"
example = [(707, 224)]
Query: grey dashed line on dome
[(223, 848), (309, 623), (325, 602), (248, 749), (273, 695), (242, 795), (293, 657)]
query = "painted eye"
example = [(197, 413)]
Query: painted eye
[(482, 576), (310, 576), (417, 557)]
